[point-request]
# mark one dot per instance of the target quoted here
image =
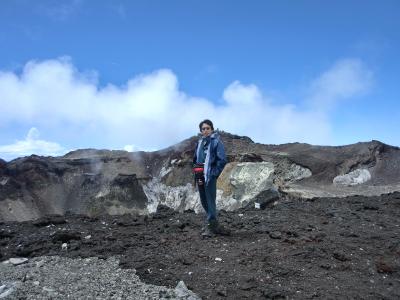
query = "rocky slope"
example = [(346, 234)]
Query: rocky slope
[(94, 182)]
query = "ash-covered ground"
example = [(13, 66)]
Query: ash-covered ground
[(330, 248)]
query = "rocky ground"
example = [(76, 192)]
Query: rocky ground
[(55, 277), (331, 248)]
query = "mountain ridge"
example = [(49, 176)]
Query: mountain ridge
[(92, 181)]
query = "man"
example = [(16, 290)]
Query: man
[(209, 160)]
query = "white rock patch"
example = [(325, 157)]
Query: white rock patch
[(353, 178), (249, 179), (182, 197)]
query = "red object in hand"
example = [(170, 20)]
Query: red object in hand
[(198, 170)]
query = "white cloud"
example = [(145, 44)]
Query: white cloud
[(151, 112), (250, 113), (347, 78), (240, 95), (31, 144)]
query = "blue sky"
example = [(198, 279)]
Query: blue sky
[(142, 74)]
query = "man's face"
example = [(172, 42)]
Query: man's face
[(205, 129)]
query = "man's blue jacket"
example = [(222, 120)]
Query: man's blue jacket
[(215, 157)]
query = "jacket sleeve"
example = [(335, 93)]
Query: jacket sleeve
[(221, 158)]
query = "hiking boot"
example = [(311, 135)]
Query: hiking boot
[(217, 228), (221, 230), (206, 232)]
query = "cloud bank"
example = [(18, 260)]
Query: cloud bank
[(151, 112), (345, 79), (31, 144)]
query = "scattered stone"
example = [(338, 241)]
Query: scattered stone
[(221, 291), (275, 235), (246, 285), (371, 206), (274, 294), (331, 213), (263, 229), (264, 199), (349, 234), (340, 256), (182, 292), (46, 289), (383, 266), (18, 260), (187, 261), (7, 289)]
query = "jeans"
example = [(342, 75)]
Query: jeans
[(208, 195)]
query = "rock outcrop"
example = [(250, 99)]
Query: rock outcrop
[(95, 182)]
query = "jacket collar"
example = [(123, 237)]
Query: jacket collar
[(212, 136)]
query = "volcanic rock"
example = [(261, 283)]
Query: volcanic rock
[(96, 182)]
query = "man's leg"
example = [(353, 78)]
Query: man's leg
[(206, 232), (213, 224), (211, 193), (203, 197)]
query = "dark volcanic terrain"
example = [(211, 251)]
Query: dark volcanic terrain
[(331, 228), (330, 248)]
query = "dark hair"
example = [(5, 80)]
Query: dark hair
[(208, 122)]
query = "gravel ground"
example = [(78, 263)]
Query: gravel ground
[(54, 277)]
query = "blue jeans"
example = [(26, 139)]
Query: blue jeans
[(208, 195)]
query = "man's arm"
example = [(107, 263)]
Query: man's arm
[(221, 158)]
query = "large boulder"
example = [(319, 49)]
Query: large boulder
[(355, 177)]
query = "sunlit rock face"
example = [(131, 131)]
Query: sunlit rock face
[(355, 177), (239, 184), (94, 182), (249, 179)]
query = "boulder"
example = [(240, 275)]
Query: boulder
[(355, 177)]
